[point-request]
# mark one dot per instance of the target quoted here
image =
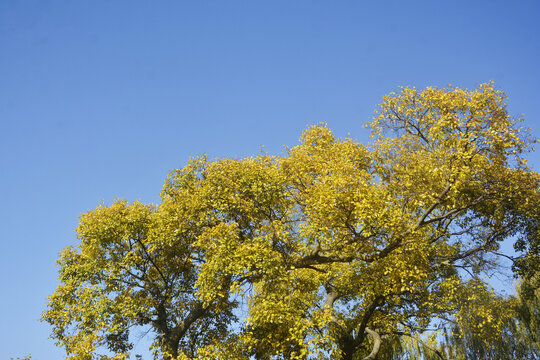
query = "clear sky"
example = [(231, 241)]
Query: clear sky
[(101, 99)]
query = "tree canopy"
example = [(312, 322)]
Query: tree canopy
[(328, 249)]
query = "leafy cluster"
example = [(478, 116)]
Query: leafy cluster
[(332, 249)]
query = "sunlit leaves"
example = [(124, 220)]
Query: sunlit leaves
[(324, 248)]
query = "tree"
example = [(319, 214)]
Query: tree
[(135, 267), (359, 241), (528, 312), (518, 339), (335, 247)]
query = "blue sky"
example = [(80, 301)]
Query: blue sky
[(101, 99)]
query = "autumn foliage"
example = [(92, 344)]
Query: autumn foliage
[(327, 249)]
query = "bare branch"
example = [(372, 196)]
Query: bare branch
[(489, 239), (511, 258)]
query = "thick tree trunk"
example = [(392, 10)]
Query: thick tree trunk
[(170, 350), (350, 345)]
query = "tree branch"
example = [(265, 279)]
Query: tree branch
[(376, 344), (426, 213), (152, 260), (316, 259), (196, 313), (331, 296), (453, 211), (367, 316), (476, 249)]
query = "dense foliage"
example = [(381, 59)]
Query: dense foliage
[(332, 249)]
